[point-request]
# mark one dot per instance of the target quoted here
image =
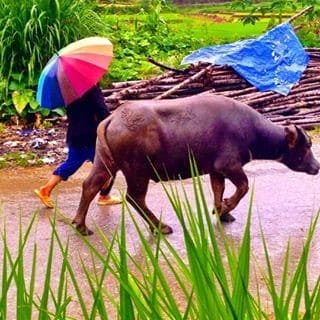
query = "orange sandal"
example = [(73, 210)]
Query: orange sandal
[(46, 200), (108, 200)]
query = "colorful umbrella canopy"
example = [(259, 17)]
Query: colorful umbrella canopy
[(73, 71)]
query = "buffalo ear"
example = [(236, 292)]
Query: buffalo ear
[(291, 135)]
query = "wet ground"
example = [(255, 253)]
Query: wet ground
[(284, 204)]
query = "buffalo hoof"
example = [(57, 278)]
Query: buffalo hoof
[(163, 229), (227, 217), (166, 229), (83, 229)]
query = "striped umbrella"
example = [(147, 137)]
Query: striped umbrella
[(73, 70)]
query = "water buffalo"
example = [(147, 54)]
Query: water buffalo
[(223, 134)]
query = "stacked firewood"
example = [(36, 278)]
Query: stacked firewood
[(301, 106)]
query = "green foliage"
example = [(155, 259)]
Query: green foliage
[(148, 35), (280, 9), (19, 99), (134, 47), (20, 159), (309, 33), (23, 98), (151, 5), (121, 9), (30, 33)]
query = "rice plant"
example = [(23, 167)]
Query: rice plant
[(214, 280)]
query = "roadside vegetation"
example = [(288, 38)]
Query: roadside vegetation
[(218, 278), (31, 31)]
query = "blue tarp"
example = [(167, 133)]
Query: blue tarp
[(274, 61)]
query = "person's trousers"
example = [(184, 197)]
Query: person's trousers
[(76, 158)]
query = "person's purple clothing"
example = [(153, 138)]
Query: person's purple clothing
[(76, 158), (84, 115)]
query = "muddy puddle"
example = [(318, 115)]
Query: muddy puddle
[(284, 204)]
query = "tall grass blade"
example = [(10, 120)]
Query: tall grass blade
[(98, 303), (301, 265), (126, 307), (240, 297), (270, 278), (31, 293), (20, 278), (300, 279), (285, 274), (146, 292), (314, 305), (160, 294), (72, 275), (43, 312), (16, 272), (62, 300), (5, 284), (107, 261), (154, 292), (216, 261)]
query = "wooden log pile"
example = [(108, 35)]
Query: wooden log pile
[(301, 106)]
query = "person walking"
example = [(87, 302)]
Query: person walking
[(83, 117)]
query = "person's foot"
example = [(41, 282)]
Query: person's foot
[(108, 200), (46, 200)]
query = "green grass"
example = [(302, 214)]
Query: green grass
[(32, 31), (19, 159), (215, 33), (201, 27)]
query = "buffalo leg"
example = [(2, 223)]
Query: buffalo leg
[(240, 180), (218, 185), (136, 194), (90, 187)]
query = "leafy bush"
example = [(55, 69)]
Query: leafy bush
[(30, 33), (309, 34), (121, 9), (149, 35), (280, 8), (132, 48), (20, 159)]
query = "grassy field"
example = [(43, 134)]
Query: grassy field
[(181, 35), (212, 32), (211, 29), (216, 23)]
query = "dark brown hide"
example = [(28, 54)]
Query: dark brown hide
[(221, 133)]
